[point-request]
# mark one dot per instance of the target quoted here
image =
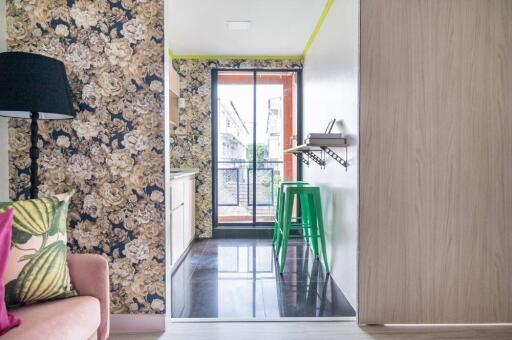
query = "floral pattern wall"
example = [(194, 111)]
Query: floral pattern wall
[(112, 153), (191, 142)]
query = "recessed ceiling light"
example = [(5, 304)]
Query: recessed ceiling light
[(238, 25)]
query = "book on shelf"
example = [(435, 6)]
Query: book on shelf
[(324, 135), (326, 141)]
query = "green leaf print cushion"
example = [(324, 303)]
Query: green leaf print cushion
[(37, 269)]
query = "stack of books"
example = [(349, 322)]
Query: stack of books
[(325, 139)]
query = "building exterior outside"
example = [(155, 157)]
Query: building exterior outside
[(233, 133)]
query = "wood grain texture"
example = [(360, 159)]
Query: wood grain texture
[(436, 161)]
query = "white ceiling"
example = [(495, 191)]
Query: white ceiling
[(279, 27)]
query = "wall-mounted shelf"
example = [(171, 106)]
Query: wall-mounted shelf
[(316, 153)]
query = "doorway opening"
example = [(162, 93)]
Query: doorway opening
[(257, 114)]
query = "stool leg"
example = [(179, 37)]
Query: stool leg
[(276, 223), (314, 224), (320, 221), (305, 218), (286, 223), (279, 231), (279, 236)]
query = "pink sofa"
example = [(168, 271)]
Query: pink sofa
[(84, 317)]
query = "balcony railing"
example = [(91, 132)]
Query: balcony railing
[(235, 183)]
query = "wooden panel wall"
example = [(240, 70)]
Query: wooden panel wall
[(436, 161)]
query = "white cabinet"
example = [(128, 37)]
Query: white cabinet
[(190, 210), (182, 214)]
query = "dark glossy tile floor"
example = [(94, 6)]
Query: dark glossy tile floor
[(227, 278)]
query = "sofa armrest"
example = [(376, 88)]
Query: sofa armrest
[(89, 276)]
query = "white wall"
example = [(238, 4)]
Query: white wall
[(331, 82), (167, 172), (4, 145)]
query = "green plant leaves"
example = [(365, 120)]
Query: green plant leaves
[(59, 222), (19, 236), (44, 276), (34, 216), (10, 293), (39, 242)]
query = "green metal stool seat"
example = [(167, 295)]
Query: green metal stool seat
[(309, 197), (280, 205)]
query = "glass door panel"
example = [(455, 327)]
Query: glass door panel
[(235, 135), (256, 120), (276, 131)]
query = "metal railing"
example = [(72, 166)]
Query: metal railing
[(235, 182)]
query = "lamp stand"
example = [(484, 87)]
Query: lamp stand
[(34, 155)]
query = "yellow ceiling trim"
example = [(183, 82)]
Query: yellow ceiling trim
[(318, 26), (171, 53), (235, 57)]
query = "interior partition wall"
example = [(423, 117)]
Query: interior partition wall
[(256, 115), (436, 157)]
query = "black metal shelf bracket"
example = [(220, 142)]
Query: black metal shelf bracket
[(337, 157), (318, 160), (301, 158), (316, 153)]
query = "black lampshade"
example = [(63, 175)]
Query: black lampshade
[(34, 83)]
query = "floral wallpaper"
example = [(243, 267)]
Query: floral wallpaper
[(112, 153), (190, 144)]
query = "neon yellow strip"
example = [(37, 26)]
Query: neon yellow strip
[(318, 26), (171, 53), (236, 57)]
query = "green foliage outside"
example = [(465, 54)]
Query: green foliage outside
[(261, 153)]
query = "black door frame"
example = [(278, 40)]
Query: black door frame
[(254, 225)]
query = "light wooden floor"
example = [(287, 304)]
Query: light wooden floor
[(318, 330)]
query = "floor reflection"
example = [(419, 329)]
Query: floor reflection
[(225, 278)]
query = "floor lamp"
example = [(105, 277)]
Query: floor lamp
[(34, 87)]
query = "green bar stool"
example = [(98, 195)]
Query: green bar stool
[(315, 223), (306, 223), (280, 205)]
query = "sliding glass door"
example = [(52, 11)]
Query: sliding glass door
[(256, 116)]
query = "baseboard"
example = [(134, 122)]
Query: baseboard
[(137, 323), (246, 232), (242, 232)]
